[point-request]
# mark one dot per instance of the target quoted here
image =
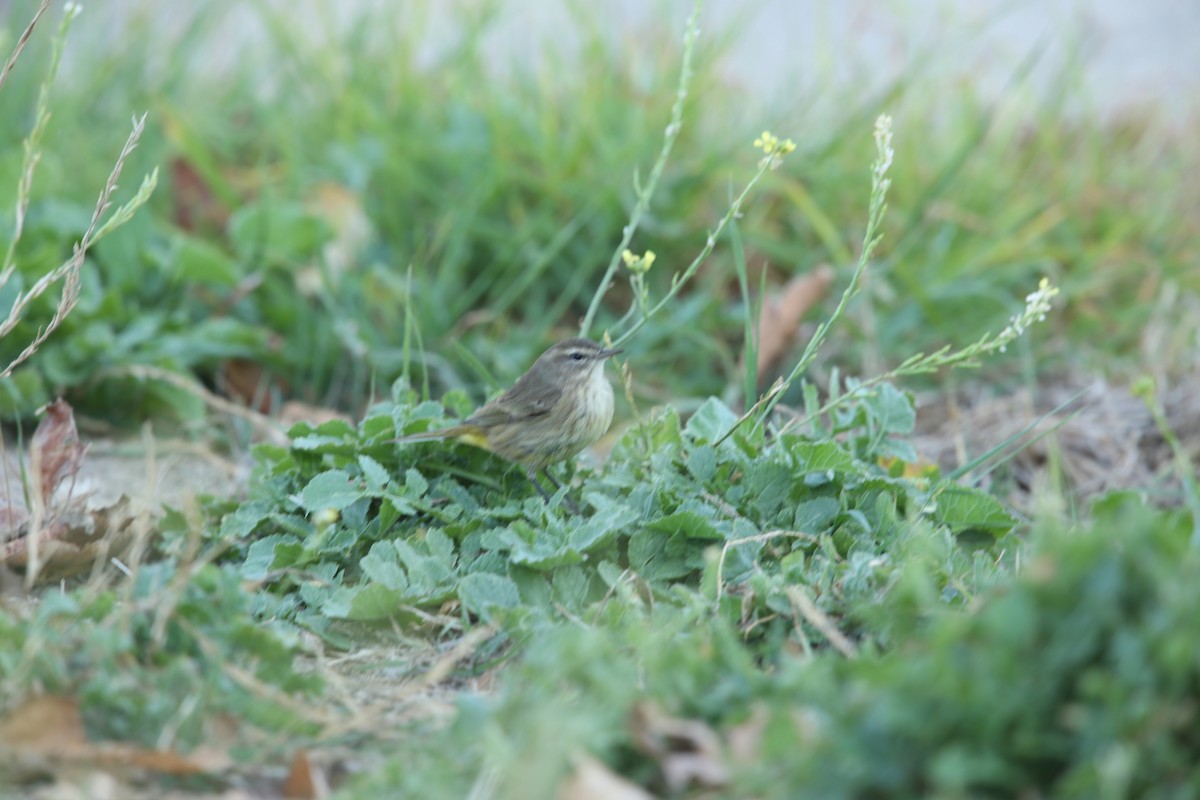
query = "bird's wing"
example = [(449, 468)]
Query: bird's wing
[(529, 397)]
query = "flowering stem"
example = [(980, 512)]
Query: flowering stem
[(877, 210), (679, 279)]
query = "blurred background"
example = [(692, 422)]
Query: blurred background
[(355, 192)]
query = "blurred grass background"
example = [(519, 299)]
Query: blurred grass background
[(353, 193)]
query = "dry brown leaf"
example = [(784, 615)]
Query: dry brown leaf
[(197, 207), (304, 781), (593, 780), (782, 313), (248, 381), (12, 520), (688, 751), (55, 453), (77, 537), (745, 739), (46, 724), (45, 734)]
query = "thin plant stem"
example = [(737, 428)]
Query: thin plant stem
[(679, 280), (646, 192), (69, 271)]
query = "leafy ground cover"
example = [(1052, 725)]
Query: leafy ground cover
[(769, 591)]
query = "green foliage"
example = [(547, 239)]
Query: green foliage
[(163, 651), (346, 525), (1076, 679), (487, 219)]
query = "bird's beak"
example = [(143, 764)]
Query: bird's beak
[(615, 351)]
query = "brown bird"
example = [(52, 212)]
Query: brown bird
[(560, 406)]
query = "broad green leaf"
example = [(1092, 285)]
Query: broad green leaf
[(962, 508), (822, 456), (260, 556), (768, 485), (316, 443), (334, 489), (543, 555), (686, 523), (571, 587), (197, 261), (371, 602), (652, 556), (711, 421), (609, 521), (891, 409), (440, 546), (276, 231), (702, 463), (482, 591), (241, 522), (380, 565), (814, 516), (374, 473), (415, 482), (427, 574)]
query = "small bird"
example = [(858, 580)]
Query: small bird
[(560, 406)]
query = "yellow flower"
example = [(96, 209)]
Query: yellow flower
[(636, 263), (767, 142)]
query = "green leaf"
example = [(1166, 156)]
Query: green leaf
[(823, 456), (380, 565), (197, 261), (427, 575), (374, 473), (276, 231), (686, 523), (652, 556), (261, 555), (891, 409), (769, 485), (814, 516), (480, 592), (240, 523), (415, 482), (373, 601), (702, 463), (316, 443), (962, 508), (440, 546), (571, 587), (330, 490), (711, 420), (596, 531)]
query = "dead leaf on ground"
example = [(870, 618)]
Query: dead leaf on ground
[(782, 313), (745, 739), (305, 781), (55, 453), (71, 543), (45, 734), (11, 520), (249, 382), (593, 780), (197, 207), (688, 752)]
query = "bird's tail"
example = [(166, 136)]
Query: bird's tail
[(467, 432)]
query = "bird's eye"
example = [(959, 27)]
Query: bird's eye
[(577, 356)]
